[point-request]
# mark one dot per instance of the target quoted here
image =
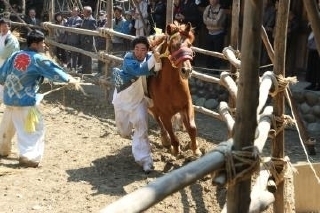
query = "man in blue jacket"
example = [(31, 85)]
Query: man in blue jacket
[(129, 102), (21, 75)]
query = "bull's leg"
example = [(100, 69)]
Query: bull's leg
[(190, 125), (174, 140), (165, 140)]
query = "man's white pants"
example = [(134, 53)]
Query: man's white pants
[(30, 145), (137, 119)]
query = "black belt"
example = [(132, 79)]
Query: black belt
[(126, 85)]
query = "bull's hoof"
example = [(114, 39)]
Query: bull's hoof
[(165, 140), (197, 153), (175, 151)]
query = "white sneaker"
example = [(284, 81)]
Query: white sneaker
[(147, 165)]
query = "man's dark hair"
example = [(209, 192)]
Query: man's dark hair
[(140, 40), (5, 21), (34, 36), (117, 7)]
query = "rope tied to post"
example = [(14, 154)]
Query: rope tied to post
[(240, 164), (103, 32), (281, 83), (279, 123), (279, 167)]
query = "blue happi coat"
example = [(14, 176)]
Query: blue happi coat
[(22, 74), (131, 69)]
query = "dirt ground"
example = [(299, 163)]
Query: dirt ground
[(87, 165)]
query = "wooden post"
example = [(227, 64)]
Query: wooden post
[(279, 69), (234, 42), (23, 6), (51, 31), (169, 14), (234, 35), (238, 196)]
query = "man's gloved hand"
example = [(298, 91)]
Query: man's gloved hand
[(73, 80), (157, 56), (157, 66), (155, 63)]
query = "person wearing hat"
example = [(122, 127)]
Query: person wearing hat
[(130, 104), (21, 74), (8, 44)]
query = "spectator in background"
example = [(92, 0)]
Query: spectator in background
[(214, 18), (176, 10), (118, 25), (268, 22), (16, 16), (60, 37), (87, 42), (128, 28), (73, 39), (313, 66), (141, 20), (128, 24), (158, 14), (292, 32), (189, 13), (8, 42), (8, 45), (101, 43), (31, 18)]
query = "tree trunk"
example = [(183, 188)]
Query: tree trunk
[(279, 69), (238, 196)]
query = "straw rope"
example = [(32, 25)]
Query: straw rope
[(239, 164)]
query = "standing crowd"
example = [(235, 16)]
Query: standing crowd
[(209, 18)]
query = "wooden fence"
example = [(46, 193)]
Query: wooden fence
[(238, 157)]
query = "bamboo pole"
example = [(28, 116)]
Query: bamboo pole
[(234, 40), (145, 197), (267, 44), (238, 196), (234, 35), (279, 69)]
